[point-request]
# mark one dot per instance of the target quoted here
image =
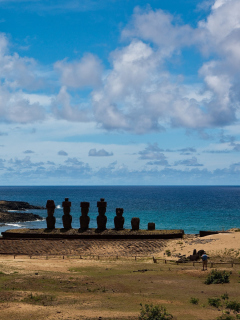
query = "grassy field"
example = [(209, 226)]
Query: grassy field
[(112, 289)]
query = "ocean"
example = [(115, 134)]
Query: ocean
[(191, 208)]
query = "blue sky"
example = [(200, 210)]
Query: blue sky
[(116, 92)]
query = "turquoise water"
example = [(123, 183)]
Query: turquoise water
[(191, 208)]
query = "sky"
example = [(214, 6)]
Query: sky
[(119, 92)]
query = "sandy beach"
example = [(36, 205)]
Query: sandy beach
[(224, 245)]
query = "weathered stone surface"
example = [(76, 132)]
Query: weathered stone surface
[(92, 234), (101, 218), (119, 219), (66, 218), (151, 226), (194, 257), (135, 222), (84, 218), (51, 220)]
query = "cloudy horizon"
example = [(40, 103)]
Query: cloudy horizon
[(110, 93)]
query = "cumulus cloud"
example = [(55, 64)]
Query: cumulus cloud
[(153, 152), (74, 161), (14, 108), (83, 73), (140, 95), (62, 153), (193, 162), (160, 28), (17, 74), (99, 153), (16, 71), (64, 108), (25, 163)]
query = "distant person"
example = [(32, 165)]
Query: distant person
[(204, 260)]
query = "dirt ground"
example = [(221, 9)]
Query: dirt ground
[(52, 282)]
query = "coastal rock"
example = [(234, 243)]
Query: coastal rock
[(16, 205), (6, 216), (18, 217)]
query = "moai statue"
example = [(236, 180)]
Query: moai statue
[(119, 219), (51, 220), (66, 218), (135, 222), (151, 226), (101, 218), (84, 218)]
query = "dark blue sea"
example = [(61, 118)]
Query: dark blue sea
[(191, 208)]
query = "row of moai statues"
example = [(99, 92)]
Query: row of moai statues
[(85, 219)]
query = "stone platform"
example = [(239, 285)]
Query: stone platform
[(91, 234)]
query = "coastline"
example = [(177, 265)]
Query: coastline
[(9, 212)]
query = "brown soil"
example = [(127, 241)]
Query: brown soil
[(46, 286)]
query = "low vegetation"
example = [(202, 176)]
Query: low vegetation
[(217, 276), (194, 300), (230, 308), (36, 289), (151, 312)]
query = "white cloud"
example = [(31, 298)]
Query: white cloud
[(160, 28), (219, 3), (82, 73), (14, 108), (193, 162), (15, 71), (140, 95), (64, 108), (99, 153), (137, 93), (153, 152), (16, 74)]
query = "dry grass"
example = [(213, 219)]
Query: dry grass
[(111, 289)]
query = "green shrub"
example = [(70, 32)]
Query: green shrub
[(168, 253), (233, 306), (150, 312), (194, 300), (214, 302), (217, 277), (225, 317), (227, 307)]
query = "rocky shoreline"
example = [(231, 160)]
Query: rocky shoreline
[(7, 216)]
